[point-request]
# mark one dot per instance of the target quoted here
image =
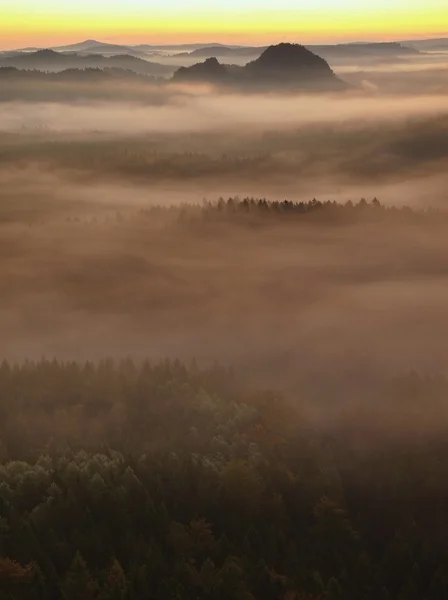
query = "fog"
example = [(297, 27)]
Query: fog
[(215, 112), (223, 321), (200, 143), (81, 282), (316, 294)]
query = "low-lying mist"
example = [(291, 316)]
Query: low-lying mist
[(86, 274), (223, 325), (277, 294), (188, 112), (200, 143)]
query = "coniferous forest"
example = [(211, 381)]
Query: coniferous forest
[(165, 480), (138, 479)]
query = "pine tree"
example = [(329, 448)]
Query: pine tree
[(78, 582), (115, 586)]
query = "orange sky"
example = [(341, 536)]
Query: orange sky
[(52, 22)]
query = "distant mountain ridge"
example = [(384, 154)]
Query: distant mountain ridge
[(220, 49), (50, 60), (88, 74), (95, 46), (170, 57), (328, 52), (429, 45)]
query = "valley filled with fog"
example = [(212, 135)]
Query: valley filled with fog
[(223, 324), (74, 154)]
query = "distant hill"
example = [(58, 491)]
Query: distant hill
[(49, 60), (83, 47), (80, 46), (280, 67), (331, 53), (388, 48), (292, 64), (72, 75), (208, 50), (434, 45), (224, 51), (77, 85), (360, 51), (181, 47), (210, 71), (94, 47), (97, 47)]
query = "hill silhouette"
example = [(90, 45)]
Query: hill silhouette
[(283, 66), (90, 75), (288, 59), (80, 46), (226, 51), (211, 70), (50, 60)]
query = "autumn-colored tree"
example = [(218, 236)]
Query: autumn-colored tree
[(115, 586)]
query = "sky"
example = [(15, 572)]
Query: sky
[(52, 22)]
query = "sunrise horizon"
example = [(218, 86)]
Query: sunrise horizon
[(174, 40), (243, 23)]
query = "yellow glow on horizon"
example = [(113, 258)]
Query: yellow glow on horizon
[(24, 29)]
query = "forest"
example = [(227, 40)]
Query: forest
[(164, 480), (137, 479)]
